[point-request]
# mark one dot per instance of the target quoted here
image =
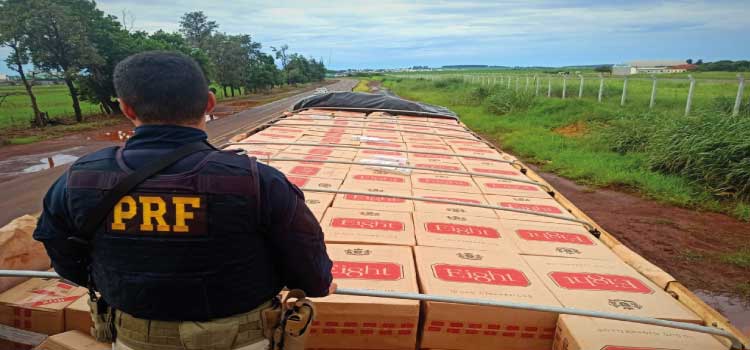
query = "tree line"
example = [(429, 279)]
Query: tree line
[(79, 44)]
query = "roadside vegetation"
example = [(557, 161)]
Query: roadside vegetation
[(701, 161), (76, 46), (362, 86)]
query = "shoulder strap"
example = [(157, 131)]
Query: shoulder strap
[(96, 215)]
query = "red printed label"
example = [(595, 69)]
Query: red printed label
[(494, 171), (367, 270), (464, 200), (505, 186), (438, 166), (364, 198), (438, 156), (481, 275), (532, 207), (384, 153), (554, 236), (444, 182), (368, 224), (52, 301), (598, 281), (476, 150), (379, 178), (304, 170), (461, 230), (298, 181), (320, 151), (341, 122)]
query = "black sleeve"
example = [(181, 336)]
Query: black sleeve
[(295, 234), (53, 229)]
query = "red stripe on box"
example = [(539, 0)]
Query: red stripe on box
[(456, 324), (366, 331), (347, 331), (332, 324), (513, 328), (368, 324), (329, 331), (407, 325), (490, 333), (509, 334), (437, 323), (404, 331), (433, 329), (453, 330), (531, 329), (350, 324), (493, 326), (527, 335)]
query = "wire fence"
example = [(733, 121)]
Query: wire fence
[(654, 92)]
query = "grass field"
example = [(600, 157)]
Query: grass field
[(15, 110), (362, 86), (695, 162)]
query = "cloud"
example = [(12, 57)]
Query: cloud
[(390, 33)]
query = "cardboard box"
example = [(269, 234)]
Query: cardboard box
[(315, 160), (19, 250), (367, 178), (610, 286), (73, 340), (37, 306), (443, 182), (338, 152), (510, 188), (293, 168), (78, 316), (356, 201), (452, 209), (436, 158), (540, 205), (373, 153), (352, 322), (368, 226), (428, 147), (492, 168), (385, 145), (312, 183), (482, 275), (584, 333), (437, 166), (460, 231), (545, 239), (331, 140), (318, 202)]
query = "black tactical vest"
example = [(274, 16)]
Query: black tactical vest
[(185, 246)]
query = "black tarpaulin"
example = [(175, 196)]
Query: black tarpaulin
[(366, 102)]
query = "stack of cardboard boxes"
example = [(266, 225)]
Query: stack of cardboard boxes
[(420, 246)]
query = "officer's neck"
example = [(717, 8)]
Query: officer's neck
[(201, 125)]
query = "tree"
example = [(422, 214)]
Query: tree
[(689, 61), (699, 62), (197, 29), (13, 29), (59, 41), (282, 56), (262, 73), (604, 69)]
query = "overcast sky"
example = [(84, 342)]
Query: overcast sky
[(389, 34)]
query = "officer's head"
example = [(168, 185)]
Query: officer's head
[(159, 87)]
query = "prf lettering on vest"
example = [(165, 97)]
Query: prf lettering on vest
[(159, 213)]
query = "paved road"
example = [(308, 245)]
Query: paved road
[(23, 195)]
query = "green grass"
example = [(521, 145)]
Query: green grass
[(24, 140), (16, 111), (362, 86), (610, 152), (740, 258)]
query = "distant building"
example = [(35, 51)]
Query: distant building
[(3, 77), (651, 67)]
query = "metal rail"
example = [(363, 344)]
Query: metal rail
[(736, 344), (457, 172), (586, 224), (511, 162), (370, 110)]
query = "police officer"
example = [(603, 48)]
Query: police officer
[(189, 258)]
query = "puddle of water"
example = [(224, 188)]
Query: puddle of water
[(58, 159), (735, 309)]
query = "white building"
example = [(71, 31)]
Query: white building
[(650, 67), (3, 77)]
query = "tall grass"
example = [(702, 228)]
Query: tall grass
[(702, 161)]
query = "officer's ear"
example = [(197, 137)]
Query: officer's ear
[(211, 103), (129, 112)]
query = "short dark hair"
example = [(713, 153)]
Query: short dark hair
[(162, 87)]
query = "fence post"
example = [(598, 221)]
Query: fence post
[(536, 80), (549, 86), (509, 82), (494, 81), (689, 102), (517, 79), (738, 100), (565, 85), (601, 87), (526, 88), (580, 87), (653, 93), (624, 91)]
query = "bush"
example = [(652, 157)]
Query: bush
[(504, 101), (712, 149), (631, 132)]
